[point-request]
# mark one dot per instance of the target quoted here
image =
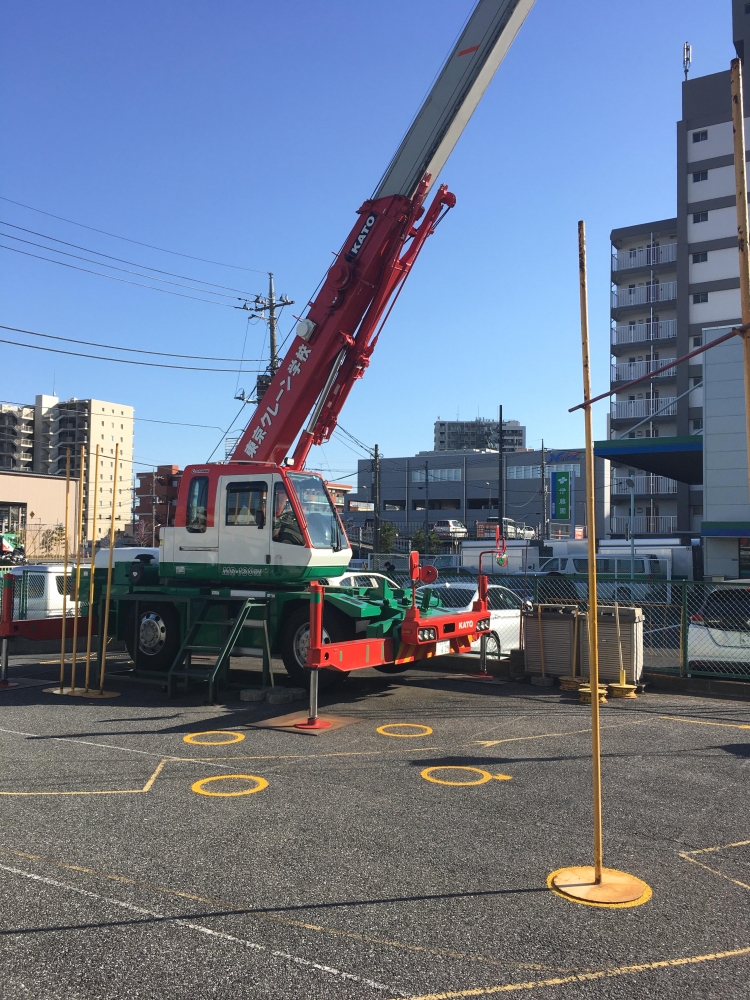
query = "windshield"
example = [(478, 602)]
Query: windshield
[(454, 597), (323, 524)]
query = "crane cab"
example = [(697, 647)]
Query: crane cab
[(253, 522)]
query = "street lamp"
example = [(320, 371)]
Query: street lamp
[(630, 483)]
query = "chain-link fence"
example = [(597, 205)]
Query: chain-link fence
[(690, 628)]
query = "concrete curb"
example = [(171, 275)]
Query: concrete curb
[(703, 687)]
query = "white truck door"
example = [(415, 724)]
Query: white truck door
[(244, 530)]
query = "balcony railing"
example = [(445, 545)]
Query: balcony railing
[(644, 257), (644, 524), (644, 485), (635, 333), (640, 295), (633, 409), (628, 370)]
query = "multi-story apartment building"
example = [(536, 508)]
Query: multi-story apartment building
[(37, 439), (457, 435), (156, 498), (673, 283), (16, 438)]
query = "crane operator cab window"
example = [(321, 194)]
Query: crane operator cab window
[(246, 504), (286, 527), (323, 525), (197, 504)]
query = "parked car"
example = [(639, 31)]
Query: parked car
[(450, 529), (361, 579), (505, 612), (720, 631)]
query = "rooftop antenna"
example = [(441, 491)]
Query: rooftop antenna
[(687, 57)]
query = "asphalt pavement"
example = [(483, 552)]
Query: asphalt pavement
[(407, 862)]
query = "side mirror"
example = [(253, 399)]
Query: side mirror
[(428, 574)]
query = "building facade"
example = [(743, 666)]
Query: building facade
[(458, 435), (673, 282), (463, 485), (38, 439), (156, 501)]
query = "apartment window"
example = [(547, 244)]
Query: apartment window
[(698, 381), (700, 175), (700, 258), (700, 217), (699, 297), (698, 340), (631, 434), (697, 424), (696, 509), (700, 136), (394, 505), (436, 475)]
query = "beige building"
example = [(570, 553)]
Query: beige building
[(53, 427), (33, 506)]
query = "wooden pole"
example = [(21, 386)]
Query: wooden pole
[(740, 180), (65, 574), (79, 533), (591, 539), (109, 571), (91, 572)]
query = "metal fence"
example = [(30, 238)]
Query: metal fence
[(691, 629)]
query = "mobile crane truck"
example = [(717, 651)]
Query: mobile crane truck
[(254, 535)]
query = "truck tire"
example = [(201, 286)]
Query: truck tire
[(159, 637), (295, 639)]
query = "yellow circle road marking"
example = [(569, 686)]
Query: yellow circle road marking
[(236, 738), (260, 784), (404, 725), (484, 776)]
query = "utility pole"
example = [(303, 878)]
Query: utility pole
[(500, 483), (545, 527), (426, 509), (376, 499), (264, 307)]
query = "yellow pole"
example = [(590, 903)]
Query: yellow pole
[(575, 642), (65, 574), (89, 624), (109, 571), (740, 181), (79, 533), (591, 533), (619, 644)]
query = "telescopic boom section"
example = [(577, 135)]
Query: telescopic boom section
[(333, 343)]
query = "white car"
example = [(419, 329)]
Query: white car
[(505, 612), (720, 631), (449, 529), (362, 578)]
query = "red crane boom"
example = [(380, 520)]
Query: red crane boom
[(334, 342)]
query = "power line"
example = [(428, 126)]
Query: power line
[(150, 246), (119, 361), (114, 267), (120, 260), (113, 277), (131, 350)]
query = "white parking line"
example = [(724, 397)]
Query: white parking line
[(252, 945)]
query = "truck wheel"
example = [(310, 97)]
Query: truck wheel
[(295, 640), (158, 632)]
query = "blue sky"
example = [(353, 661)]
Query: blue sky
[(249, 133)]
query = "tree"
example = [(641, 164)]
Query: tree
[(435, 543), (388, 536)]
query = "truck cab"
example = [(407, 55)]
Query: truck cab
[(253, 522)]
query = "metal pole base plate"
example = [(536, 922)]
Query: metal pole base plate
[(313, 724), (81, 692), (621, 691), (615, 889)]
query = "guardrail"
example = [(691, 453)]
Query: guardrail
[(626, 371), (644, 524), (645, 485), (639, 295), (633, 333), (627, 409), (625, 260)]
